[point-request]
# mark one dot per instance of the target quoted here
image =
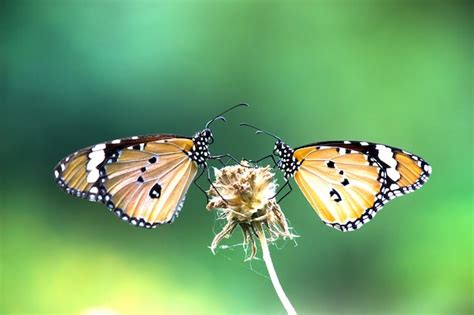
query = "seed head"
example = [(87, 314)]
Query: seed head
[(244, 196)]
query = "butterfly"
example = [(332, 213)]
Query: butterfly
[(142, 179), (348, 182)]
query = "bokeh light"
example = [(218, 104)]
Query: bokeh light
[(75, 73)]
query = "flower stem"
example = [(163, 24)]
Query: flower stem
[(272, 273)]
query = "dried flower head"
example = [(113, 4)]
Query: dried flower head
[(244, 197)]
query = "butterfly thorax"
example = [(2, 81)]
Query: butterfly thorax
[(200, 150), (287, 162)]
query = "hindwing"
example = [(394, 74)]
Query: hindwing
[(348, 182)]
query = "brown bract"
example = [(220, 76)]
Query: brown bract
[(244, 198)]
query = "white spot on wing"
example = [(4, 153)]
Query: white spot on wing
[(393, 174), (386, 155), (394, 186), (427, 168), (98, 147), (116, 141), (364, 143), (94, 190), (56, 174), (95, 158), (93, 176)]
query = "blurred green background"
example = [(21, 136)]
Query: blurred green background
[(76, 73)]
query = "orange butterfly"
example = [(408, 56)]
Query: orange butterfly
[(348, 182), (143, 180)]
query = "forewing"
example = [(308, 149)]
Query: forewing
[(348, 182), (141, 179)]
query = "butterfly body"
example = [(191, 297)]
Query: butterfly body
[(348, 182), (287, 162), (199, 153)]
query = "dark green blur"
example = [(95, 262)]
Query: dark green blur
[(76, 73)]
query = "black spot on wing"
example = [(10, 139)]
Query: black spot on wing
[(152, 160), (155, 191), (335, 195), (330, 164)]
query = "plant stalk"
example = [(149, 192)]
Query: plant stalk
[(272, 273)]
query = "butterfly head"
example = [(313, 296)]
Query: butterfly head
[(202, 139), (206, 136), (287, 162), (282, 150)]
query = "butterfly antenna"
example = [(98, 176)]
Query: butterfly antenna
[(261, 131), (220, 117)]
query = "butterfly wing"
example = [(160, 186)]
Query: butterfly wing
[(348, 182), (143, 180)]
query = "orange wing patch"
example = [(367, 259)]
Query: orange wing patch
[(339, 185), (348, 182), (141, 179), (73, 172), (408, 168), (150, 190)]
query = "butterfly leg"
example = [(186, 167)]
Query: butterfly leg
[(212, 185), (264, 158), (231, 158), (220, 157), (199, 186), (287, 183)]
